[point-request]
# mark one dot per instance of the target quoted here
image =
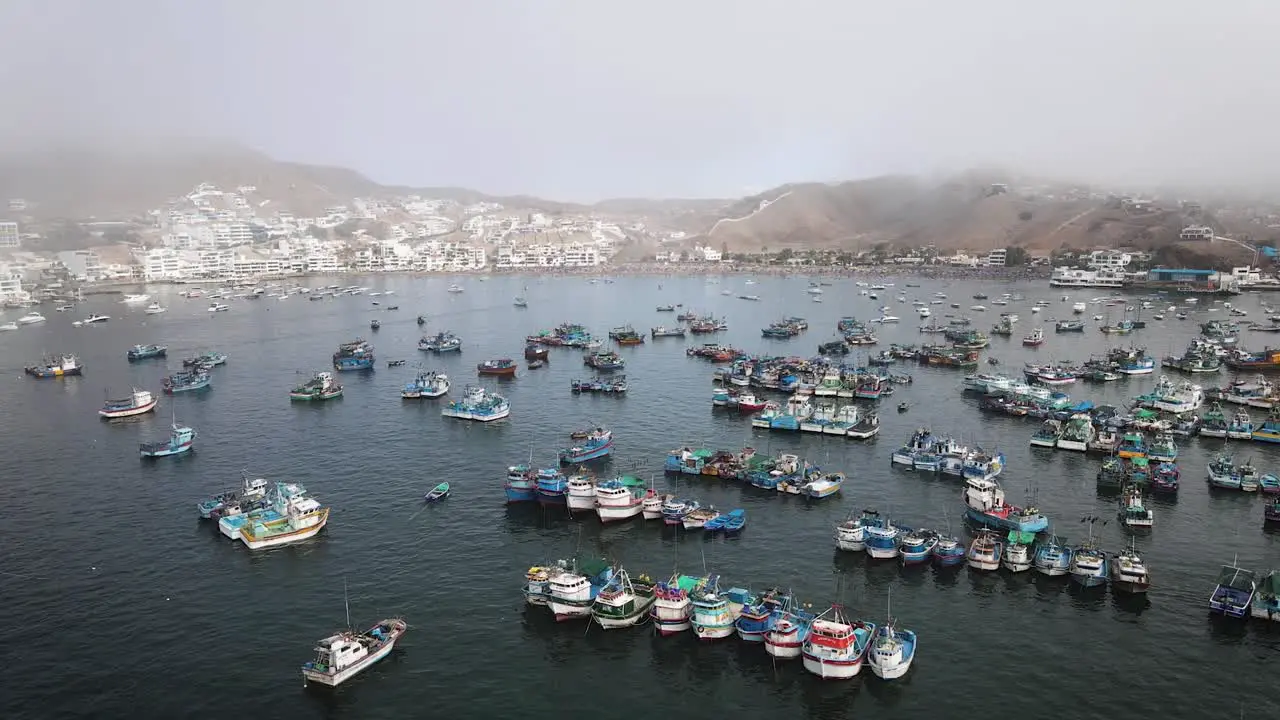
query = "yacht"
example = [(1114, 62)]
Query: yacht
[(31, 318), (154, 309), (135, 299)]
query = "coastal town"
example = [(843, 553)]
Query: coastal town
[(238, 235)]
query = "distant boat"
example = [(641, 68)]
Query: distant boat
[(155, 309), (9, 326), (144, 352), (31, 318), (342, 655), (197, 378), (135, 299), (181, 439), (439, 492), (735, 520), (521, 303), (455, 288), (55, 367), (321, 386), (218, 307), (138, 402)]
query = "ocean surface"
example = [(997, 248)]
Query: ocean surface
[(119, 601)]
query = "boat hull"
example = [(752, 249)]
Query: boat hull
[(1034, 525), (518, 494), (128, 412), (639, 612), (617, 513), (44, 373), (478, 417), (832, 669), (254, 542), (573, 458), (165, 451), (566, 610)]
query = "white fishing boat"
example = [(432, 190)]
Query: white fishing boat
[(31, 318), (218, 307), (618, 501), (651, 508), (672, 610), (1019, 551), (345, 654), (581, 492), (303, 518), (570, 595), (836, 647), (138, 403), (892, 650), (155, 309), (623, 602)]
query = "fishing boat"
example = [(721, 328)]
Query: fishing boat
[(697, 518), (712, 617), (1133, 512), (917, 546), (836, 647), (54, 367), (573, 592), (985, 505), (426, 385), (1048, 435), (985, 551), (1223, 474), (580, 492), (819, 485), (321, 386), (1019, 551), (537, 582), (1128, 573), (345, 654), (479, 405), (883, 540), (1077, 433), (437, 493), (181, 439), (1247, 476), (759, 613), (375, 324), (1165, 479), (1034, 339), (206, 360), (521, 484), (553, 487), (1213, 423), (851, 535), (1163, 449), (503, 367), (442, 342), (1266, 599), (663, 331), (892, 650), (623, 602), (620, 499), (252, 491), (186, 381), (735, 521), (1132, 445), (294, 518), (786, 637), (675, 509), (1089, 565), (145, 352), (354, 355), (138, 403), (1233, 594), (597, 445), (1053, 558), (672, 611), (866, 428)]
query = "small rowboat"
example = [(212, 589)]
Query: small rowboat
[(735, 521), (439, 492)]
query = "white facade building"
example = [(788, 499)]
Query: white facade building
[(1110, 259), (9, 237), (165, 264), (1196, 232), (996, 258), (11, 288)]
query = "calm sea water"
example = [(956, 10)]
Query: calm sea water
[(119, 600)]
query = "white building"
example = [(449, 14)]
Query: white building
[(11, 288), (84, 265), (1196, 232), (709, 255), (164, 264), (1110, 259), (9, 237), (996, 258)]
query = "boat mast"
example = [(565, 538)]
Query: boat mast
[(346, 604)]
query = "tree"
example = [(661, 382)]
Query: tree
[(785, 255), (1016, 257)]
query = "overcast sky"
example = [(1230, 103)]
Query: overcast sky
[(585, 99)]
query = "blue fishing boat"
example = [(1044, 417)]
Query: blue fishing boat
[(521, 484), (674, 510), (920, 442), (1053, 558), (917, 546), (948, 552), (180, 440), (186, 381), (442, 342), (145, 352), (735, 521), (55, 367), (716, 523), (597, 445), (712, 618), (206, 360), (883, 540), (1234, 592), (426, 385), (553, 487), (478, 404), (759, 614), (789, 632), (355, 355), (604, 361), (1089, 564)]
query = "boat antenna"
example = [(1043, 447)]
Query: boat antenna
[(346, 603)]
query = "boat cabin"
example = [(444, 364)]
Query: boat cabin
[(339, 651)]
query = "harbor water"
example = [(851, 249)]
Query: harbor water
[(120, 601)]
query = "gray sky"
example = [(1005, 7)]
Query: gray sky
[(585, 99)]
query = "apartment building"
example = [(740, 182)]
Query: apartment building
[(1109, 259), (996, 258), (84, 265), (11, 288), (165, 263), (9, 237)]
